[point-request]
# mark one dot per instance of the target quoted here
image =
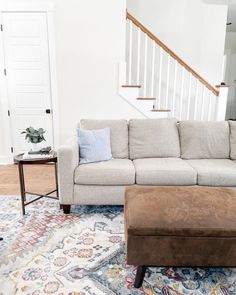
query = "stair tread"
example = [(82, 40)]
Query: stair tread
[(146, 98), (131, 86), (160, 110)]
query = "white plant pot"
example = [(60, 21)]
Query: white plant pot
[(35, 147)]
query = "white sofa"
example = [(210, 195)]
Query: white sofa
[(148, 152)]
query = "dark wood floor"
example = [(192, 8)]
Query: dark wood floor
[(39, 179)]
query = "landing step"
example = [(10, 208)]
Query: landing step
[(146, 98), (131, 86), (160, 110)]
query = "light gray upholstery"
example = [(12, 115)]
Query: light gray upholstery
[(151, 138), (99, 194), (112, 172), (204, 140), (155, 148), (215, 172), (119, 134), (165, 171), (68, 159), (232, 125)]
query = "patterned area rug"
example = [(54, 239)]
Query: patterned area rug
[(47, 252)]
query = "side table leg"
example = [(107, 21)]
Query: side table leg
[(22, 186), (56, 179)]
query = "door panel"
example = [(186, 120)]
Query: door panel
[(27, 73)]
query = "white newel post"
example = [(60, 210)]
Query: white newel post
[(221, 102)]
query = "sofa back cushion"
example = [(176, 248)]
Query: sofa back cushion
[(153, 138), (232, 125), (118, 134), (204, 140)]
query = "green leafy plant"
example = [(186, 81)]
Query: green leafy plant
[(34, 135)]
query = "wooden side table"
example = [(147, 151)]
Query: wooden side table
[(21, 162)]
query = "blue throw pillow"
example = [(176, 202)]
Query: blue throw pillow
[(94, 145)]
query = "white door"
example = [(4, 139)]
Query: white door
[(26, 53)]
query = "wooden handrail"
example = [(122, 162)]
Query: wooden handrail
[(171, 53)]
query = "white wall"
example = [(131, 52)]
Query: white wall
[(193, 29), (90, 42)]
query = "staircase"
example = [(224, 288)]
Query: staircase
[(160, 84)]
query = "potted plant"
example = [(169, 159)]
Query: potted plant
[(35, 137)]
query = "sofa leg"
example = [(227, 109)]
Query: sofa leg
[(66, 209), (139, 276)]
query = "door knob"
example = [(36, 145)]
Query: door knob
[(48, 111)]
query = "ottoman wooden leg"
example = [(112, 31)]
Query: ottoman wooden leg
[(139, 276)]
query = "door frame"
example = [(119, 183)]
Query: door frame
[(48, 9)]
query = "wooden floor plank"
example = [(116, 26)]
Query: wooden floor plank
[(39, 179)]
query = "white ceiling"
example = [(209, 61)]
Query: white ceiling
[(231, 12)]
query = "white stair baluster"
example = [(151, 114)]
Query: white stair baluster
[(203, 102), (145, 66), (167, 81), (181, 95), (209, 106), (159, 84), (153, 67), (196, 99), (174, 88), (214, 107), (130, 50), (138, 56), (189, 95)]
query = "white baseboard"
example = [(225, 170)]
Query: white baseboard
[(6, 160)]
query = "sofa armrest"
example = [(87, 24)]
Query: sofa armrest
[(68, 160)]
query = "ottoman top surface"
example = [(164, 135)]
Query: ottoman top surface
[(180, 211)]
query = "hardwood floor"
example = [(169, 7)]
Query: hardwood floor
[(38, 178)]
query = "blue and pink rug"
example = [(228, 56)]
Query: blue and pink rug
[(47, 252)]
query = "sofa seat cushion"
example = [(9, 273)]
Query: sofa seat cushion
[(153, 138), (204, 140), (215, 172), (164, 171), (113, 172)]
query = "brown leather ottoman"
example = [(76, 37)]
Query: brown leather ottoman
[(179, 226)]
